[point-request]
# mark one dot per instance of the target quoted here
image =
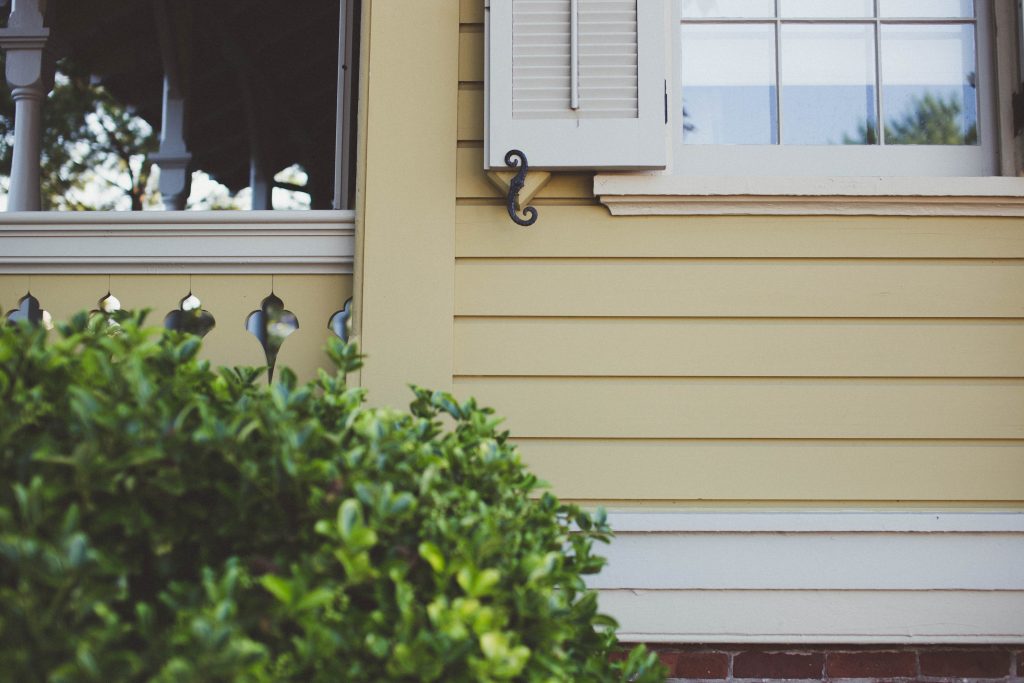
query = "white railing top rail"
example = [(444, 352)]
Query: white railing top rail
[(177, 242)]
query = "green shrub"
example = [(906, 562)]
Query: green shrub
[(163, 522)]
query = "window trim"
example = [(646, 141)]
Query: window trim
[(669, 193)]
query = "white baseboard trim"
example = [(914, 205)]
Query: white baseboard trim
[(822, 617), (825, 577), (817, 521)]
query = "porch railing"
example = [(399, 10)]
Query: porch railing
[(230, 261)]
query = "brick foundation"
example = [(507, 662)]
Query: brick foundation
[(847, 664)]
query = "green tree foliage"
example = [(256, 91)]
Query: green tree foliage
[(95, 152), (932, 120), (163, 522)]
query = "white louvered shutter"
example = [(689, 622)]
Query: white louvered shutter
[(577, 83)]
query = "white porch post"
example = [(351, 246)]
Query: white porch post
[(174, 157), (30, 75)]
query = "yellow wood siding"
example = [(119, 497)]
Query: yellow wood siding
[(738, 347), (230, 298), (813, 360)]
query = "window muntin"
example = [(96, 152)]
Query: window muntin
[(921, 66)]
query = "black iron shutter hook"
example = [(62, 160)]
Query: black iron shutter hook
[(516, 159)]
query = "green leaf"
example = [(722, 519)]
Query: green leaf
[(278, 587), (433, 555), (350, 517)]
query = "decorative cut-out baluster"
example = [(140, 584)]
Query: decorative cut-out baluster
[(29, 310), (271, 325), (107, 306), (190, 317), (341, 321)]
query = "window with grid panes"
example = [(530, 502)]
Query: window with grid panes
[(835, 87)]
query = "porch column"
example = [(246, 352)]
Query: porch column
[(173, 157), (30, 70)]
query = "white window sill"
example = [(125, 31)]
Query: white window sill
[(672, 195)]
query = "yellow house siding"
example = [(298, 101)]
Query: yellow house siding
[(230, 298), (813, 360)]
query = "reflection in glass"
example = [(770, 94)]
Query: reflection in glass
[(728, 9), (828, 84), (816, 9), (926, 8), (729, 84), (928, 93)]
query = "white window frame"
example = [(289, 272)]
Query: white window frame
[(854, 160), (810, 189)]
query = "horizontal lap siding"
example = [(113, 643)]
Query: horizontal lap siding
[(623, 470), (738, 347), (753, 408), (855, 360), (681, 287)]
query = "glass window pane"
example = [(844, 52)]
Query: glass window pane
[(828, 84), (729, 84), (728, 9), (929, 94), (814, 9), (926, 8)]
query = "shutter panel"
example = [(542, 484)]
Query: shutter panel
[(577, 83)]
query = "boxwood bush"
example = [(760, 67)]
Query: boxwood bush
[(161, 521)]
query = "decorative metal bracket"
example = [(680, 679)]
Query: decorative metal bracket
[(516, 159)]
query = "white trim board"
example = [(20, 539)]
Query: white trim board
[(177, 242), (663, 194), (817, 522), (943, 577), (819, 617)]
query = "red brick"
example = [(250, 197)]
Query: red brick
[(778, 665), (701, 665), (965, 663), (871, 665), (668, 659)]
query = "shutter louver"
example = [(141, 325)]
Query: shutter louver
[(542, 66), (608, 59), (577, 83), (541, 74)]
